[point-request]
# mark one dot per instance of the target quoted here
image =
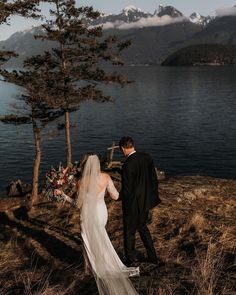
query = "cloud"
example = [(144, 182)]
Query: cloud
[(108, 25), (153, 21), (226, 11)]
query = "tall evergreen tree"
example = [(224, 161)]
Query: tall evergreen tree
[(73, 67), (25, 8), (35, 110)]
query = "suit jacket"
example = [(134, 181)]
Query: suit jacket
[(139, 190)]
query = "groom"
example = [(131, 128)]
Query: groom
[(139, 193)]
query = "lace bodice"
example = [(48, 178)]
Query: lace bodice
[(108, 187)]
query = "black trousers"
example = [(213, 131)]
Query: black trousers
[(132, 224)]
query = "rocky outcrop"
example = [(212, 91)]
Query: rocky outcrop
[(18, 189)]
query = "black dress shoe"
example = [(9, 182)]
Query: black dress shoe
[(129, 262), (156, 261), (140, 257)]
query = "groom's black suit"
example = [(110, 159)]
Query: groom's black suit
[(139, 193)]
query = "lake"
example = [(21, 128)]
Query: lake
[(185, 117)]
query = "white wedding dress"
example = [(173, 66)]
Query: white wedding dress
[(112, 276)]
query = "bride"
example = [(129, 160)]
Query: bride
[(112, 276)]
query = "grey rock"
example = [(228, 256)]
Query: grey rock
[(18, 189)]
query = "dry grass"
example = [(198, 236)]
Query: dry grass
[(208, 270), (193, 229), (9, 255), (33, 282)]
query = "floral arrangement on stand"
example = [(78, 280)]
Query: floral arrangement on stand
[(61, 179)]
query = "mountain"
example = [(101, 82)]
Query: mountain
[(131, 14), (151, 45), (167, 10), (24, 43), (197, 18), (220, 30), (128, 15), (154, 36)]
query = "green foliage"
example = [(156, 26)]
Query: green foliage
[(35, 103)]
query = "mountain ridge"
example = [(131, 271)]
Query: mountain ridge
[(133, 14), (154, 36)]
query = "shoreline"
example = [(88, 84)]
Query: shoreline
[(3, 194), (191, 186)]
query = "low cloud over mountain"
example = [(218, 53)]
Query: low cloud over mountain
[(153, 21), (132, 17)]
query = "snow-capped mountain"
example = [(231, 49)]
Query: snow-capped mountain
[(128, 15), (199, 19), (132, 14), (167, 10), (131, 9)]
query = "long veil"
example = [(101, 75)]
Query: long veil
[(112, 277)]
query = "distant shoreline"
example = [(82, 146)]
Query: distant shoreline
[(203, 55)]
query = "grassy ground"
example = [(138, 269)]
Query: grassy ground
[(194, 232)]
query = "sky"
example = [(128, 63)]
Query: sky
[(204, 7)]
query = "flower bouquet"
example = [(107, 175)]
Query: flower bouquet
[(62, 179)]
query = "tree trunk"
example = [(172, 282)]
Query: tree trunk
[(35, 184), (68, 141)]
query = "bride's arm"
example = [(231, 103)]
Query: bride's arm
[(111, 189)]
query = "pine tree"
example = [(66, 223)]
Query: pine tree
[(73, 67), (24, 8), (35, 110)]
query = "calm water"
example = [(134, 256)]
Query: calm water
[(184, 117)]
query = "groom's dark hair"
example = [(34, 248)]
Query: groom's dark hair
[(126, 142)]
